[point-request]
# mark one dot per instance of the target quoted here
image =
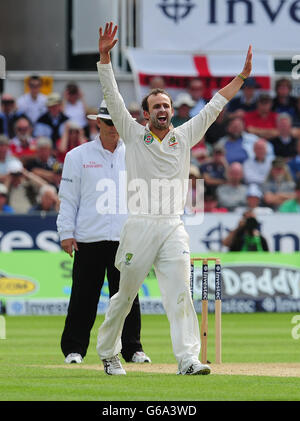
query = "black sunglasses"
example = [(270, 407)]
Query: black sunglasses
[(107, 122)]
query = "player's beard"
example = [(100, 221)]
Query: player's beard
[(159, 124)]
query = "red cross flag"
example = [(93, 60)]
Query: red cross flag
[(178, 69)]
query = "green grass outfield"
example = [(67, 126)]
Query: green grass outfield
[(32, 367)]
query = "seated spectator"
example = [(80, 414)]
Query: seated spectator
[(292, 205), (157, 82), (135, 111), (73, 136), (51, 124), (254, 199), (195, 195), (91, 130), (211, 202), (246, 101), (262, 121), (9, 115), (247, 236), (42, 163), (214, 171), (237, 141), (294, 164), (257, 168), (217, 129), (4, 207), (22, 187), (5, 157), (47, 200), (296, 118), (23, 145), (182, 106), (196, 90), (285, 145), (279, 185), (284, 102), (234, 192), (33, 103), (74, 106)]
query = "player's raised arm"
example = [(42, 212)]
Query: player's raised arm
[(230, 90), (107, 41)]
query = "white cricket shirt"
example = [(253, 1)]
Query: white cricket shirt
[(150, 162)]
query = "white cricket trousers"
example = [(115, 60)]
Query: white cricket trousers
[(162, 242)]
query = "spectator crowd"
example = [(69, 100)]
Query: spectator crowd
[(248, 159)]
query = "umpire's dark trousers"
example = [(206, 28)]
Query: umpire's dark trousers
[(91, 262)]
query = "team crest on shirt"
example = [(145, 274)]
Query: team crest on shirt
[(128, 257), (148, 138), (172, 142)]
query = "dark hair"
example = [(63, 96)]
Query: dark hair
[(72, 88), (23, 118), (231, 119), (145, 105), (35, 77), (283, 81)]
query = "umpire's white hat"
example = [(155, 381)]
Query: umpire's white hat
[(102, 113)]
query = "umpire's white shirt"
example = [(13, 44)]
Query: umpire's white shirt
[(92, 208)]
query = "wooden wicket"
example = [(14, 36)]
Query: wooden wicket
[(218, 306)]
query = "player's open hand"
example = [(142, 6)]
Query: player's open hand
[(248, 63), (107, 38)]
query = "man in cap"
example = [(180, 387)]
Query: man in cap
[(23, 187), (92, 176), (183, 104), (51, 124), (253, 204)]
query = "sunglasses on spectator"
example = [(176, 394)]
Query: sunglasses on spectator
[(34, 85), (7, 101), (107, 122), (22, 128)]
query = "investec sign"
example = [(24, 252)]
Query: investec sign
[(271, 26)]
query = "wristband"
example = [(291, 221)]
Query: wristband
[(242, 77)]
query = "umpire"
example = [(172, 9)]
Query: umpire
[(94, 235)]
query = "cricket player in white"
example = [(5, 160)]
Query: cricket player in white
[(152, 235)]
